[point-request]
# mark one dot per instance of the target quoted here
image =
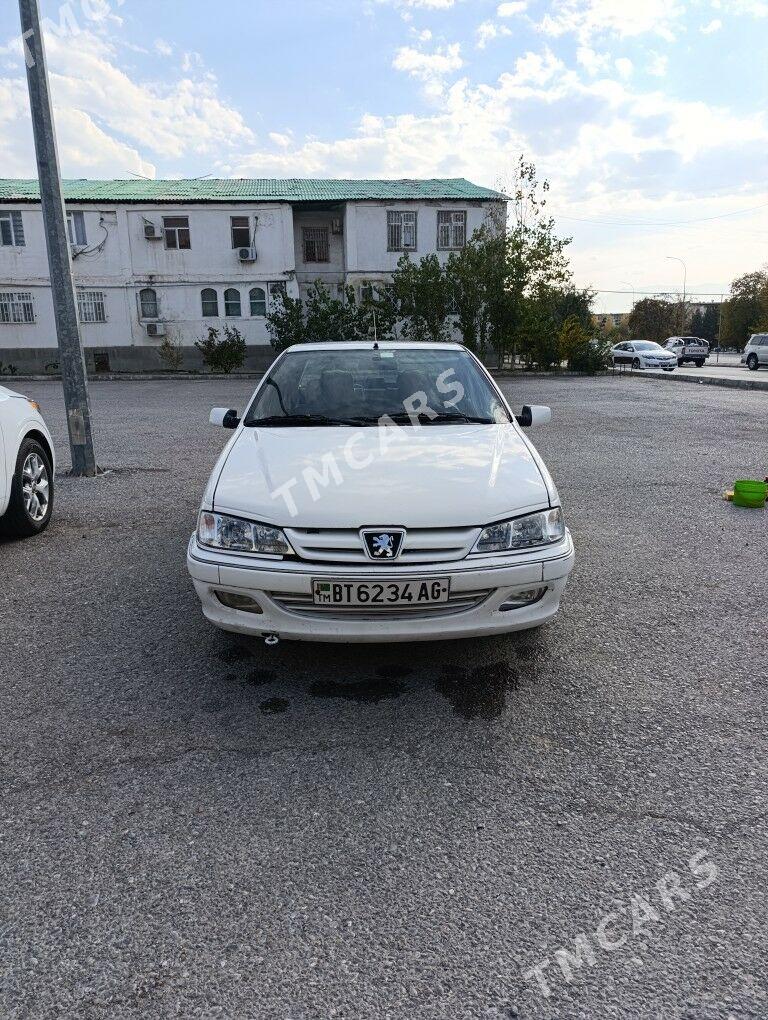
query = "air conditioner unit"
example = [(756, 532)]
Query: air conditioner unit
[(246, 254), (151, 232), (155, 329)]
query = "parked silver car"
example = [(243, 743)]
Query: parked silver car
[(643, 354), (756, 352)]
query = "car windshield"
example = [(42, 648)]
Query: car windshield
[(361, 386), (647, 345)]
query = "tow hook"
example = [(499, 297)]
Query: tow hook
[(271, 639)]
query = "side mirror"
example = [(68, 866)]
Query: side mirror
[(225, 417), (534, 414)]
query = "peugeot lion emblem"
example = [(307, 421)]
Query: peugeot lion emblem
[(383, 543)]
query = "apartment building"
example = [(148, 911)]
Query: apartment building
[(171, 258)]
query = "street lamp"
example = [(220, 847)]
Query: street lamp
[(674, 258), (633, 291)]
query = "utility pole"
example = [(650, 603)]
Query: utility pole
[(71, 358)]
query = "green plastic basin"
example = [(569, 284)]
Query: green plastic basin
[(749, 493)]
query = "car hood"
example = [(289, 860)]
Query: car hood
[(433, 476)]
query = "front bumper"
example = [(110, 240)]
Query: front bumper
[(490, 580)]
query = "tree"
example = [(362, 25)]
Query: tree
[(710, 325), (697, 324), (652, 319), (285, 322), (746, 311), (422, 296), (581, 351)]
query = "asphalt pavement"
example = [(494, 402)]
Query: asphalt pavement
[(199, 826)]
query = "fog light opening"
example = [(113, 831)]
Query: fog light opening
[(521, 599), (232, 600)]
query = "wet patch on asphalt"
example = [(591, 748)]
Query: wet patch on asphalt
[(274, 706), (480, 693)]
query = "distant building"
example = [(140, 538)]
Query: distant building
[(155, 258), (610, 320)]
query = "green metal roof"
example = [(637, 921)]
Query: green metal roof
[(260, 189)]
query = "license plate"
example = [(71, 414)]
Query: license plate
[(380, 594)]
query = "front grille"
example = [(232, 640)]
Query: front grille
[(344, 545), (302, 605)]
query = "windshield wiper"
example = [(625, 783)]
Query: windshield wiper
[(403, 418), (288, 420)]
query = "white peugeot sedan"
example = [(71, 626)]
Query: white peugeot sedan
[(379, 493), (27, 463)]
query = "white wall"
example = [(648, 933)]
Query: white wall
[(126, 261)]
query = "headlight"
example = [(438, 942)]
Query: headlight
[(222, 532), (523, 532)]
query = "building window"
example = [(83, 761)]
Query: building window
[(176, 230), (210, 302), (366, 292), (401, 231), (11, 229), (232, 302), (148, 303), (315, 244), (241, 231), (258, 298), (451, 230), (16, 306), (76, 228), (90, 306), (278, 289)]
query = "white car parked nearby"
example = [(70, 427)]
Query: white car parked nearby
[(379, 493), (27, 465), (643, 354)]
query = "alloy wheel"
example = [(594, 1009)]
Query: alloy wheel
[(35, 487)]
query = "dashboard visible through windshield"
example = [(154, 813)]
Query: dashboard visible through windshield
[(375, 386)]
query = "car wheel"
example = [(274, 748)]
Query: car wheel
[(752, 363), (680, 362), (31, 503), (699, 363), (635, 363)]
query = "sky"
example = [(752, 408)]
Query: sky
[(647, 117)]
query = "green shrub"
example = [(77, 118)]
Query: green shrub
[(170, 353), (222, 355)]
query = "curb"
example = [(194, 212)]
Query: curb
[(733, 384)]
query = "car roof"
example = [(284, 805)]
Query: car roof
[(383, 345)]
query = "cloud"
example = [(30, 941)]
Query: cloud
[(283, 140), (108, 122), (624, 66), (509, 10), (714, 26), (489, 30), (593, 62), (163, 48), (430, 68), (589, 18)]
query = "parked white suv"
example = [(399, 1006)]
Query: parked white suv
[(756, 352), (379, 492), (688, 348)]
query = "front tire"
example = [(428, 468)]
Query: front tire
[(680, 362), (636, 363), (31, 503), (752, 363)]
